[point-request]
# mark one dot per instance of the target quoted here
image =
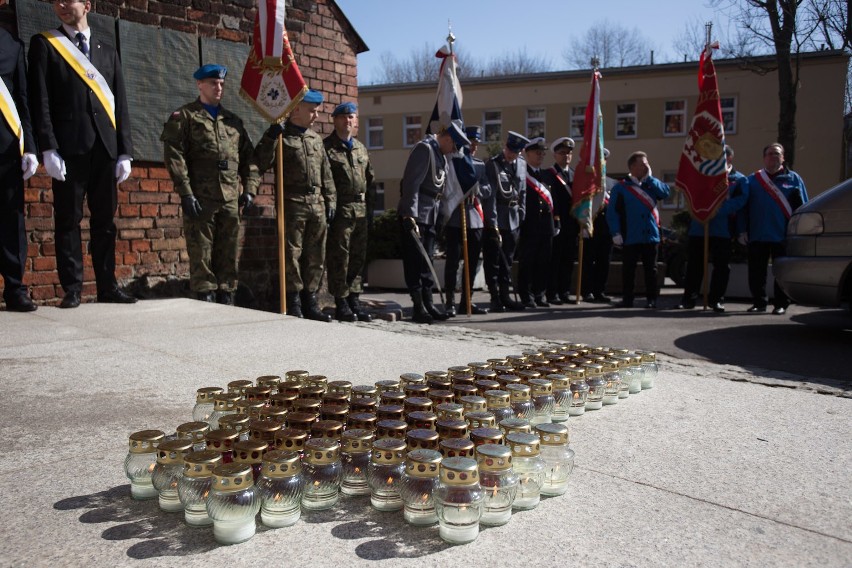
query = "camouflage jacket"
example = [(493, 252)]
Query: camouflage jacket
[(351, 168), (208, 157)]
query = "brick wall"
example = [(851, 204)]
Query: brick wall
[(151, 254)]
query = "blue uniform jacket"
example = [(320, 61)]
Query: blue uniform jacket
[(762, 218), (723, 222), (628, 216)]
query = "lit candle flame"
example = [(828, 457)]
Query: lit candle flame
[(358, 470), (316, 483), (390, 480)]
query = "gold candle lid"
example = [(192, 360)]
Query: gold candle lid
[(496, 399), (274, 414), (559, 381), (364, 405), (361, 420), (391, 429), (364, 391), (527, 375), (232, 477), (413, 403), (415, 390), (238, 422), (531, 353), (576, 373), (225, 400), (456, 447), (421, 438), (307, 404), (239, 386), (486, 435), (261, 393), (249, 407), (222, 440), (545, 370), (479, 366), (508, 380), (459, 370), (555, 358), (320, 381), (648, 356), (552, 434), (483, 385), (497, 361), (205, 394), (621, 351), (523, 444), (357, 441), (518, 392), (388, 385), (503, 369), (201, 464), (440, 396), (493, 457), (462, 379), (516, 360), (283, 400), (510, 425), (392, 397), (342, 387), (290, 386), (610, 365), (311, 392), (172, 451), (439, 383), (279, 463), (421, 419), (337, 412), (435, 375), (388, 451), (302, 420), (540, 387), (480, 419), (249, 451), (423, 463), (264, 430), (449, 411), (451, 428), (460, 390), (290, 439), (459, 471), (592, 369), (321, 451), (390, 412), (268, 381), (407, 378), (297, 375), (194, 431), (328, 429), (472, 403)]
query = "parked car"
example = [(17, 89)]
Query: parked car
[(817, 270)]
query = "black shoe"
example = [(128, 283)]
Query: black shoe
[(755, 308), (602, 298), (779, 311), (71, 300), (208, 296), (225, 297), (20, 303), (474, 310), (686, 305), (115, 296), (450, 309), (651, 305), (355, 305), (431, 309), (554, 300), (529, 303), (311, 309), (718, 308), (294, 305), (419, 313), (624, 304), (342, 311), (565, 298), (496, 304), (511, 305), (541, 302), (588, 297)]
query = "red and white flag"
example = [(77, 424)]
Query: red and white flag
[(271, 79), (590, 175), (702, 174)]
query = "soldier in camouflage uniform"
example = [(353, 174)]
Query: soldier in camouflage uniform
[(310, 201), (208, 153), (346, 249)]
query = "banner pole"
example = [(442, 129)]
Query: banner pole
[(706, 262), (282, 235), (466, 257), (579, 267)]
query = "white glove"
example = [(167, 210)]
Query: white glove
[(617, 240), (54, 165), (29, 165), (122, 168), (742, 238)]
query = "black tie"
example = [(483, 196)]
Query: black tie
[(82, 44)]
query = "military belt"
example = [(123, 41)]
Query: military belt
[(221, 165)]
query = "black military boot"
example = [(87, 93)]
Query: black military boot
[(294, 305), (497, 306), (474, 309), (355, 305), (430, 307), (225, 297), (208, 296), (311, 309), (342, 311), (419, 313), (450, 306), (507, 301)]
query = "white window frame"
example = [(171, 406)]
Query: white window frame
[(732, 110), (676, 112), (490, 122), (379, 188), (372, 128), (406, 127), (577, 122), (530, 121), (634, 114)]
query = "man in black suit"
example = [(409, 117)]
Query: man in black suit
[(17, 153), (83, 129)]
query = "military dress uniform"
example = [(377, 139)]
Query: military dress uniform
[(597, 249), (536, 247), (207, 156), (346, 249), (564, 251)]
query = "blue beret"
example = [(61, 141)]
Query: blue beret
[(211, 71), (313, 97), (345, 108), (457, 135), (515, 142), (474, 133)]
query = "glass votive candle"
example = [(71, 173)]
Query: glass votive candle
[(302, 420), (365, 391), (316, 381), (597, 386), (421, 419), (519, 398), (194, 486), (291, 440), (457, 370), (510, 425), (140, 461), (499, 483), (250, 452), (421, 439), (264, 431), (391, 429), (459, 500), (483, 385), (283, 400), (280, 488), (204, 403), (579, 396), (392, 397), (417, 485), (223, 403), (486, 435), (612, 377), (222, 441), (473, 403), (456, 448), (409, 378), (451, 429), (248, 407), (238, 423), (440, 396), (417, 404), (233, 503), (258, 393), (557, 456), (415, 390), (355, 457), (239, 386), (271, 381), (449, 411), (649, 364), (497, 403), (387, 462), (635, 365), (361, 421), (530, 467), (561, 397), (274, 414), (323, 472), (388, 385), (168, 471), (480, 419), (461, 390), (541, 393), (341, 387), (364, 404), (328, 430)]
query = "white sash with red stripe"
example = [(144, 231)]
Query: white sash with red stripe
[(557, 173), (640, 194), (774, 192), (541, 190)]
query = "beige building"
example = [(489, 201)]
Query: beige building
[(645, 108)]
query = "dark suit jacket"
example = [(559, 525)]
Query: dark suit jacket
[(68, 117), (14, 74)]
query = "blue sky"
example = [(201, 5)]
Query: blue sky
[(485, 29)]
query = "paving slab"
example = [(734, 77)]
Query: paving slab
[(704, 469)]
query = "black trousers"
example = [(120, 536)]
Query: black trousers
[(534, 262), (719, 256), (453, 236), (13, 236), (497, 266), (90, 176), (647, 252), (563, 256), (597, 255), (418, 277), (759, 253)]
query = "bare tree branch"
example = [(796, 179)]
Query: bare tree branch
[(614, 45)]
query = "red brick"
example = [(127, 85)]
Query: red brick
[(232, 35), (150, 258), (42, 278), (158, 173), (130, 258), (168, 244), (143, 245), (148, 197), (42, 182), (149, 210), (39, 210), (42, 292), (179, 25), (128, 210), (44, 263), (149, 185), (166, 185), (169, 256), (32, 196), (154, 234), (172, 233), (169, 210), (130, 234), (135, 223), (122, 245)]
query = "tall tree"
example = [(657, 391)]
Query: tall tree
[(613, 44)]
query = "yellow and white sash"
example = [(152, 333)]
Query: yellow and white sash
[(84, 68), (10, 113)]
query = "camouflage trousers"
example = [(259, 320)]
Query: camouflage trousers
[(346, 251), (306, 229), (212, 242)]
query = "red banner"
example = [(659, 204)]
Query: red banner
[(589, 177), (702, 174)]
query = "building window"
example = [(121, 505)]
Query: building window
[(492, 126), (378, 198), (578, 122), (729, 114), (675, 198), (535, 122), (413, 130), (674, 118), (625, 120), (375, 133)]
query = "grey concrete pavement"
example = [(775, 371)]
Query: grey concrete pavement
[(707, 468)]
